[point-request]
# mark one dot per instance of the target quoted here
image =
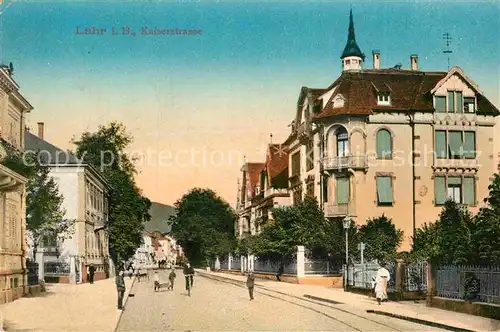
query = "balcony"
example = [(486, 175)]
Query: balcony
[(275, 192), (340, 163), (338, 210)]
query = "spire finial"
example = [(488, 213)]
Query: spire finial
[(271, 138)]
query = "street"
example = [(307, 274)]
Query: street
[(221, 306)]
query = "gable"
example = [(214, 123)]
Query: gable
[(338, 101), (456, 83)]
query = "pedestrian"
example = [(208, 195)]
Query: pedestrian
[(171, 279), (120, 287), (138, 275), (131, 271), (188, 275), (382, 279), (250, 284), (157, 281), (280, 272), (91, 273)]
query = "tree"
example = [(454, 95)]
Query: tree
[(426, 242), (454, 234), (203, 225), (381, 237), (128, 208), (44, 211)]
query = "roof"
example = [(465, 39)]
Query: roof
[(351, 47), (253, 177), (277, 166), (160, 214), (51, 155)]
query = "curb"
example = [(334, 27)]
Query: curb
[(124, 304), (419, 321)]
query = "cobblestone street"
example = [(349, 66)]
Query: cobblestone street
[(220, 306)]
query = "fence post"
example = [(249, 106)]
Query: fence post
[(400, 270), (300, 262), (72, 269), (41, 266), (229, 261), (431, 283), (328, 267)]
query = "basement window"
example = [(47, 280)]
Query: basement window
[(384, 98)]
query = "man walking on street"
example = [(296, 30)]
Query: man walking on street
[(120, 287), (250, 284)]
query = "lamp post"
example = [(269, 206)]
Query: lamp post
[(347, 224)]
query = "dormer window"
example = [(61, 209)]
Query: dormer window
[(384, 98)]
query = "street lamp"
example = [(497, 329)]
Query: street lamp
[(347, 224)]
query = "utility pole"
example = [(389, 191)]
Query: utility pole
[(447, 40)]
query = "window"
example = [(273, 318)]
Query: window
[(384, 98), (384, 144), (342, 190), (348, 62), (384, 191), (469, 105), (462, 190), (296, 164), (342, 142), (455, 102), (310, 189), (310, 156), (455, 144), (297, 197), (440, 104), (325, 189)]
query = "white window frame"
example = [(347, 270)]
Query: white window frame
[(384, 98)]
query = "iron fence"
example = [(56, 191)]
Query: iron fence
[(363, 275), (224, 264), (55, 269), (451, 282), (236, 263), (415, 277), (32, 273), (321, 267), (268, 266)]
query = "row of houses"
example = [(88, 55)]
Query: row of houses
[(85, 194), (376, 141)]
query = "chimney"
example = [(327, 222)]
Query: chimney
[(376, 59), (40, 130), (414, 62)]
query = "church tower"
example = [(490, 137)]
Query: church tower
[(352, 57)]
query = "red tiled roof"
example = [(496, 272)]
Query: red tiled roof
[(409, 90)]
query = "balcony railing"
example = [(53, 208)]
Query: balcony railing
[(339, 163), (338, 210), (272, 191)]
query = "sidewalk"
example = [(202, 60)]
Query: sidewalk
[(65, 307), (355, 303)]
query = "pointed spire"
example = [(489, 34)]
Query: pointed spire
[(351, 47)]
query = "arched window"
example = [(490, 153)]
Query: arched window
[(342, 142), (384, 144)]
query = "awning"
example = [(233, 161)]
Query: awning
[(10, 180)]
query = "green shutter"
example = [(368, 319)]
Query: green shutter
[(454, 180), (383, 142), (470, 144), (440, 190), (460, 101), (440, 104), (342, 190), (451, 101), (440, 144), (384, 190), (469, 194), (455, 143)]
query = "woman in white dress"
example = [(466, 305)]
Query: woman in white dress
[(382, 279)]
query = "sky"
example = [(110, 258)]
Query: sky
[(198, 105)]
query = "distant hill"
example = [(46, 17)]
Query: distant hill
[(160, 214)]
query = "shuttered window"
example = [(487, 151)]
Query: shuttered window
[(440, 190), (440, 104), (384, 144), (455, 144), (342, 190), (460, 101), (440, 144), (451, 101), (384, 190), (469, 150), (296, 164), (469, 194)]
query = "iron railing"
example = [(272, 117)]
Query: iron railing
[(321, 267), (338, 163), (363, 275), (55, 269), (415, 277), (451, 282)]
